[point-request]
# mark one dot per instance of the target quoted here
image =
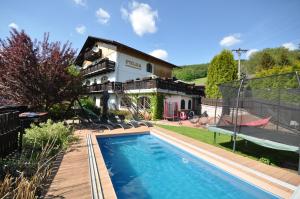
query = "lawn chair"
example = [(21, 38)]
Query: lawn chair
[(87, 122), (121, 118), (113, 120), (140, 122), (91, 118)]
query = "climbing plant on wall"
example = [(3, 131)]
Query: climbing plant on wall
[(157, 105)]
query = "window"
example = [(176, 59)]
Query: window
[(124, 102), (104, 79), (182, 104), (88, 82), (190, 104), (149, 68), (144, 102)]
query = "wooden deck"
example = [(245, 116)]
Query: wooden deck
[(72, 179)]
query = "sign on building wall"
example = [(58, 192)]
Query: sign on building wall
[(133, 64)]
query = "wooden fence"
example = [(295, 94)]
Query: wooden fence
[(9, 132)]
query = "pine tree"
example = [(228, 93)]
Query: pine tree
[(222, 68)]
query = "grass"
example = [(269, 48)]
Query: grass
[(200, 80), (278, 158)]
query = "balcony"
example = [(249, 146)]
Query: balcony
[(148, 83), (99, 67), (92, 55)]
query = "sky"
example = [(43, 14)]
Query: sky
[(181, 32)]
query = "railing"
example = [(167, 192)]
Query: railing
[(100, 87), (91, 55), (211, 102), (9, 132), (101, 66), (148, 83)]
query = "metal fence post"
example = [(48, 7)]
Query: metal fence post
[(215, 119), (297, 75), (299, 161), (236, 114)]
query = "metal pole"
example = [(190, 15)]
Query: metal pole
[(297, 75), (239, 65), (215, 119), (239, 52), (236, 114), (299, 162)]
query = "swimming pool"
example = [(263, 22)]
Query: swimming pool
[(144, 166)]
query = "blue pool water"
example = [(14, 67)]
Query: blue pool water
[(144, 166)]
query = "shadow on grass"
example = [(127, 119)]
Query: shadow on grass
[(284, 159)]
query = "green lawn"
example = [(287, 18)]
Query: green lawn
[(200, 81), (283, 159)]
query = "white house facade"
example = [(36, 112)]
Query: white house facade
[(107, 64)]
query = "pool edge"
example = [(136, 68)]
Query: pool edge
[(109, 191)]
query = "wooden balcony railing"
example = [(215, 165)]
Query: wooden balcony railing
[(102, 66), (148, 83), (91, 55)]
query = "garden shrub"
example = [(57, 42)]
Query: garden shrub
[(58, 111), (89, 103), (49, 132), (126, 113), (25, 174), (265, 160)]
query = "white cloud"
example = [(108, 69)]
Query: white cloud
[(142, 17), (290, 46), (81, 29), (230, 40), (124, 13), (80, 2), (159, 53), (102, 16), (13, 25), (250, 52)]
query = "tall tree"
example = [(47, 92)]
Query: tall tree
[(222, 68), (37, 73), (272, 57), (266, 61)]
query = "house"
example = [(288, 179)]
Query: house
[(126, 73)]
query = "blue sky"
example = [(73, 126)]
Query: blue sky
[(182, 32)]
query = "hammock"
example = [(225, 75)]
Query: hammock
[(256, 123)]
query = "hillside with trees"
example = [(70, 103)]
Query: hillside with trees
[(191, 73), (223, 67), (272, 61)]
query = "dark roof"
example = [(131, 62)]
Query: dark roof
[(90, 41)]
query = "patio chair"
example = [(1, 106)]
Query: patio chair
[(121, 118), (140, 122), (87, 122), (96, 121), (113, 121)]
